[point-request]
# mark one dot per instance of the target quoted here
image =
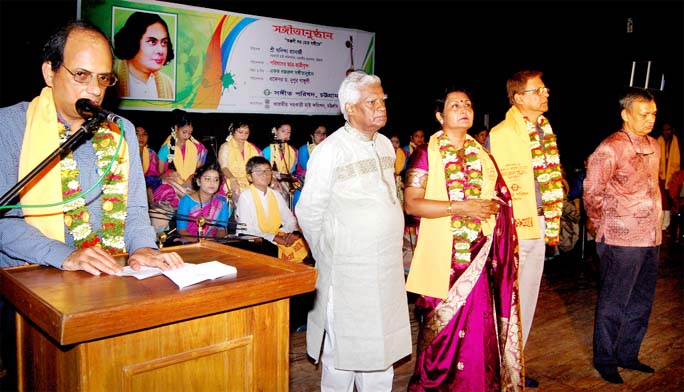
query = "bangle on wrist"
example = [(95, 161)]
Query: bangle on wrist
[(449, 208)]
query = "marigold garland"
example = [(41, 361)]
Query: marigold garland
[(547, 171), (463, 173), (110, 236)]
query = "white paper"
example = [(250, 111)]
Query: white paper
[(190, 274), (187, 275), (144, 273)]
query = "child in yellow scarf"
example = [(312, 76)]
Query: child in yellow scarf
[(263, 215)]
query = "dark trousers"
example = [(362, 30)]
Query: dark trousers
[(628, 278)]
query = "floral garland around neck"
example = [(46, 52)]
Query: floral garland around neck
[(463, 171), (546, 163), (172, 146), (110, 236)]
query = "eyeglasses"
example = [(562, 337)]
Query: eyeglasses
[(538, 91), (262, 172), (641, 153), (320, 133), (373, 103), (84, 77)]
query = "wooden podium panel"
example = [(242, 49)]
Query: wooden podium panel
[(78, 332)]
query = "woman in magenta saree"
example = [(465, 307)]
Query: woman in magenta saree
[(465, 262)]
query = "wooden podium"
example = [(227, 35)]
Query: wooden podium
[(79, 332)]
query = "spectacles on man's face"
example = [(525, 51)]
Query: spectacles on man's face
[(84, 77), (262, 172), (538, 91), (641, 152)]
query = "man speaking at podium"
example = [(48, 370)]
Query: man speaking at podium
[(83, 233)]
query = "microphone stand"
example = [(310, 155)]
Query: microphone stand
[(200, 227), (71, 141)]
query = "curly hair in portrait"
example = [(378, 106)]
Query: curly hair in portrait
[(127, 39)]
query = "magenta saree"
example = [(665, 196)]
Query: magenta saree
[(471, 340)]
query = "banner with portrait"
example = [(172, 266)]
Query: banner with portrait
[(226, 62)]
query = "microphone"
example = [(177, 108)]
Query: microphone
[(88, 109)]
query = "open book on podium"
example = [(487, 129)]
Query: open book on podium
[(187, 275)]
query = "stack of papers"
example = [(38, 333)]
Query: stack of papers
[(187, 275)]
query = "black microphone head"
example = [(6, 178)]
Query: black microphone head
[(89, 109), (86, 108)]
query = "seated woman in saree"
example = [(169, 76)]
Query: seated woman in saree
[(204, 213), (283, 158), (179, 156), (233, 156), (465, 264)]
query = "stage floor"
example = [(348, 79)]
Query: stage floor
[(559, 350)]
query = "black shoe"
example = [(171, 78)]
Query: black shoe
[(638, 366), (610, 374), (531, 382)]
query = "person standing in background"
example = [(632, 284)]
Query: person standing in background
[(143, 46), (670, 160), (416, 139), (481, 136), (399, 164), (400, 161), (524, 147), (622, 175), (353, 222), (470, 330)]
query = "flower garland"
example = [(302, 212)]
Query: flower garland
[(546, 163), (463, 173), (110, 236), (172, 146)]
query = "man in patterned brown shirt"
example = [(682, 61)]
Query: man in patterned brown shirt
[(623, 203)]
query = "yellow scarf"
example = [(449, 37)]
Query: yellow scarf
[(145, 156), (285, 162), (296, 252), (669, 160), (237, 161), (41, 137), (400, 161), (431, 264), (510, 144), (185, 164)]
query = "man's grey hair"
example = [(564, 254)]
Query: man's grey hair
[(350, 88)]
